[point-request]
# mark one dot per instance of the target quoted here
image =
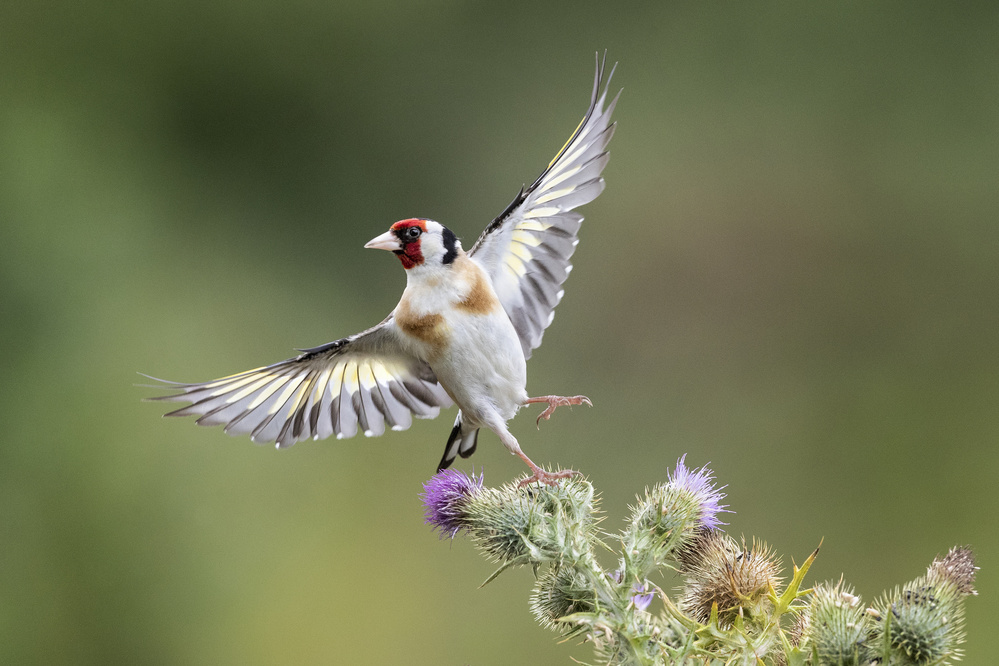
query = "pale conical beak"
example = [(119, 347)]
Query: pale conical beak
[(387, 241)]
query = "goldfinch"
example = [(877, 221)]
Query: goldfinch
[(461, 334)]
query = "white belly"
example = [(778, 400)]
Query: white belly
[(484, 367), (451, 317)]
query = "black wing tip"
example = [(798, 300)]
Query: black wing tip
[(180, 412), (309, 352), (598, 76), (172, 397)]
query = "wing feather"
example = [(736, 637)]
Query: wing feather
[(527, 249), (362, 383)]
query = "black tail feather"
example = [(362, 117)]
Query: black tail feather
[(451, 448), (468, 444), (458, 444)]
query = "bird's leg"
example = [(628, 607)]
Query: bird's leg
[(540, 475), (554, 401), (544, 476)]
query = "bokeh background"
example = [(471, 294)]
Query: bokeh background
[(792, 276)]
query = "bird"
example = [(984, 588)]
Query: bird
[(461, 334)]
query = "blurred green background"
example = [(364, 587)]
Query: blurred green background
[(792, 276)]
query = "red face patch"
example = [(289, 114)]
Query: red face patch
[(409, 233)]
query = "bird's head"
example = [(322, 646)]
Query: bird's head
[(419, 242)]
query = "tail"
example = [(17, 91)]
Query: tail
[(462, 443)]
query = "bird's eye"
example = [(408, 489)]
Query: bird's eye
[(412, 233)]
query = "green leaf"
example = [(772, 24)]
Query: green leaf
[(523, 559), (783, 602)]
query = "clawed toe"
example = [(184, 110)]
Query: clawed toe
[(555, 401), (548, 478)]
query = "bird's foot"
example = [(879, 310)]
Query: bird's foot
[(549, 478), (555, 401)]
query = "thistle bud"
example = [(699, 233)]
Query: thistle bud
[(923, 622), (734, 577), (559, 592), (501, 524), (835, 625)]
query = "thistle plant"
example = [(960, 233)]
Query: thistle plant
[(733, 606)]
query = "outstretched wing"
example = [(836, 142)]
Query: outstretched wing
[(526, 250), (360, 383)]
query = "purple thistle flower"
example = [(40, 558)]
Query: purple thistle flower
[(445, 497), (699, 484), (643, 597)]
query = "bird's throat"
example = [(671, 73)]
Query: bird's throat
[(410, 255)]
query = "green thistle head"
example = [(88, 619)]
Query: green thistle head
[(559, 592), (923, 622), (534, 523), (835, 625), (919, 624), (500, 521)]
